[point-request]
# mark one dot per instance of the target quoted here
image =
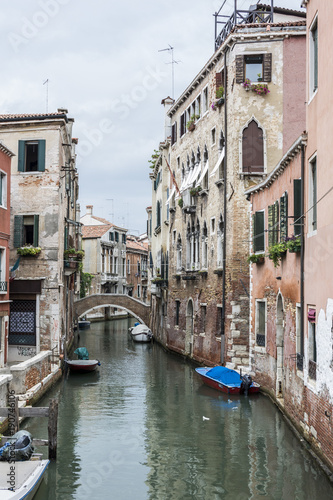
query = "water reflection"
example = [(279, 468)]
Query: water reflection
[(135, 429)]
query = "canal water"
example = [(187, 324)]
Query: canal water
[(145, 427)]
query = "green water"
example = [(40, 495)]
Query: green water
[(135, 430)]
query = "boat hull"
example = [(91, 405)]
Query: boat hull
[(141, 333), (83, 365), (224, 387), (28, 476)]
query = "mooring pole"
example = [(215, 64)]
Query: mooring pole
[(17, 416), (52, 428)]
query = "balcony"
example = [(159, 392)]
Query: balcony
[(109, 278), (144, 275)]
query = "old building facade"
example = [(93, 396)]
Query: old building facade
[(5, 177), (137, 267), (104, 245), (44, 213), (229, 129)]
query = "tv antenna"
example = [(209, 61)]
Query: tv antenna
[(47, 94), (173, 62)]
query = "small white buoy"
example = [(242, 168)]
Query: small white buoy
[(205, 418)]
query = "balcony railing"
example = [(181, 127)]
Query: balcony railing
[(110, 277), (251, 16), (3, 286)]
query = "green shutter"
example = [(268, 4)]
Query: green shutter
[(41, 155), (259, 232), (276, 223), (270, 225), (18, 231), (21, 156), (36, 230), (297, 207), (284, 216)]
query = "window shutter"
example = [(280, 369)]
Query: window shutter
[(267, 67), (36, 230), (297, 207), (258, 233), (18, 231), (315, 58), (284, 217), (276, 223), (270, 225), (239, 69), (218, 78), (41, 155), (182, 124), (66, 238), (21, 156)]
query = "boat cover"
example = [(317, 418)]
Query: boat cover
[(82, 353), (225, 375), (18, 448)]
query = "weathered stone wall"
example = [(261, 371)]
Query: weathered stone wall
[(30, 372)]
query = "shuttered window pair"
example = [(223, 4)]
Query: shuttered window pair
[(31, 156), (26, 230), (250, 66)]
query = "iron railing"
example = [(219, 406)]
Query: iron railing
[(3, 286)]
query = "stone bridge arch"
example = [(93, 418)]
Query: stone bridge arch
[(135, 307)]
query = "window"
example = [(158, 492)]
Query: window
[(182, 124), (111, 236), (205, 100), (138, 266), (3, 283), (124, 267), (213, 136), (179, 254), (128, 267), (252, 148), (115, 264), (31, 156), (139, 291), (297, 207), (299, 339), (260, 326), (158, 214), (22, 323), (178, 164), (273, 224), (123, 238), (313, 80), (198, 106), (204, 247), (203, 315), (26, 230), (259, 231), (177, 312), (173, 133), (218, 321), (3, 189), (219, 79), (220, 238), (284, 216), (251, 66), (212, 225), (116, 236), (312, 347), (313, 196)]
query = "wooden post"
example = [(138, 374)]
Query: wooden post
[(52, 428)]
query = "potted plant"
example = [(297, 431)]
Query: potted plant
[(247, 84), (190, 125), (220, 95), (181, 202), (260, 88), (195, 190), (259, 77), (29, 250), (256, 258), (293, 244), (276, 252)]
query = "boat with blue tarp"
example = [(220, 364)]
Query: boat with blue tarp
[(227, 380)]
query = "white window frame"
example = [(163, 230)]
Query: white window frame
[(205, 100), (212, 225), (3, 188), (312, 91)]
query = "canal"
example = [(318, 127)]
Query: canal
[(136, 430)]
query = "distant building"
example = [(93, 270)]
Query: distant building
[(5, 178), (137, 267), (104, 245), (44, 223)]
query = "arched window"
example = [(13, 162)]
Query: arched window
[(197, 247), (252, 148), (158, 214), (188, 247), (220, 237), (204, 246)]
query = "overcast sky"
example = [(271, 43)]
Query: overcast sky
[(102, 62)]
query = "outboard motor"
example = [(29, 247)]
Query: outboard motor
[(246, 383)]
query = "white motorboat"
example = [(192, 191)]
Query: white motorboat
[(141, 333), (23, 477)]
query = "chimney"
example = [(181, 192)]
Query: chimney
[(89, 209), (167, 102)]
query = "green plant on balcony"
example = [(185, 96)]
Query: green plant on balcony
[(154, 158), (256, 258), (276, 252), (293, 243), (190, 125), (74, 254), (195, 191), (181, 202), (29, 250), (220, 92)]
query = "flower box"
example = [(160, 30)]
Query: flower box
[(29, 251)]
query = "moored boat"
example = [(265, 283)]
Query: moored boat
[(82, 365), (228, 381), (141, 333)]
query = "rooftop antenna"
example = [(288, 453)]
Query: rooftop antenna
[(47, 94), (173, 62)]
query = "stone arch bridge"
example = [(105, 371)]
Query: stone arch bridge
[(135, 307)]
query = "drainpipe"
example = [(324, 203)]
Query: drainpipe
[(302, 250), (224, 210)]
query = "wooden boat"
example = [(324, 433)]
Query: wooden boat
[(141, 333), (83, 324), (25, 478), (82, 365), (228, 381)]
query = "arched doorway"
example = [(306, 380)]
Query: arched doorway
[(279, 347), (189, 329)]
